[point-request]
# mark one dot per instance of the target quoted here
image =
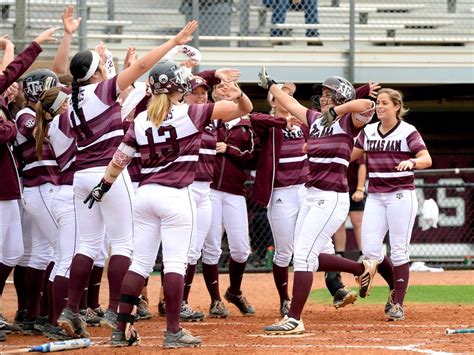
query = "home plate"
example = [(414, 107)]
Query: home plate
[(281, 336)]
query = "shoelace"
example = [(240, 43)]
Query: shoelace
[(90, 314), (219, 306)]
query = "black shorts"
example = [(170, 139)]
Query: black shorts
[(355, 206)]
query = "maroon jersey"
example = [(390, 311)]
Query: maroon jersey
[(329, 151), (169, 153), (292, 167), (353, 173), (35, 172), (99, 128), (9, 181), (207, 154), (385, 151)]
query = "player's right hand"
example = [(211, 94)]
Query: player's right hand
[(97, 193), (265, 80)]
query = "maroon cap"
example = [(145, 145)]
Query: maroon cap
[(197, 81)]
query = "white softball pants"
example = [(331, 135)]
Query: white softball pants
[(162, 215), (113, 215), (394, 212), (64, 214), (11, 238), (282, 214), (40, 231), (201, 192), (231, 211), (321, 215)]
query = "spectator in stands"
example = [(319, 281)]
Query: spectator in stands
[(280, 8)]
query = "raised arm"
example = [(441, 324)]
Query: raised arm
[(71, 26), (143, 64), (228, 110), (288, 102)]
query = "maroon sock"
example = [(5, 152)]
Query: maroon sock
[(94, 287), (280, 275), (173, 286), (81, 267), (328, 262), (188, 281), (236, 274), (385, 269), (118, 267), (162, 273), (83, 300), (401, 275), (60, 286), (19, 274), (211, 278), (43, 311), (303, 280), (146, 282), (4, 272), (50, 302), (33, 291), (132, 285)]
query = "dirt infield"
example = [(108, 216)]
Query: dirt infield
[(356, 329)]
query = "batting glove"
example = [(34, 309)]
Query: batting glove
[(328, 117), (97, 193), (266, 80)]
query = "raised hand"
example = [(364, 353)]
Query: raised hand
[(374, 88), (228, 74), (4, 41), (46, 36), (100, 48), (292, 121), (265, 80), (70, 24), (230, 91), (130, 57), (184, 36)]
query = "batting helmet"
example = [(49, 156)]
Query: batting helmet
[(167, 77), (342, 90), (38, 81)]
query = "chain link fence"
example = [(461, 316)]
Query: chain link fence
[(251, 22)]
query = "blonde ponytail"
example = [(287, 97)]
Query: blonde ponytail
[(158, 108), (41, 129)]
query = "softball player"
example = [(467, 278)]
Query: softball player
[(95, 118), (11, 239), (167, 137), (235, 148), (330, 142), (40, 180), (279, 182), (394, 149)]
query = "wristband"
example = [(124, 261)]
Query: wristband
[(361, 189), (105, 185), (332, 112), (413, 161), (271, 82)]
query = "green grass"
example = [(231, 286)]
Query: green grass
[(459, 294)]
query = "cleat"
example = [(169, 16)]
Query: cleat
[(55, 333), (181, 339), (29, 328), (20, 317), (3, 336), (218, 310), (143, 312), (395, 313), (389, 304), (286, 326), (240, 302), (343, 297), (40, 321), (99, 311), (285, 307), (162, 308), (7, 327), (187, 314), (73, 324), (90, 317), (109, 319), (120, 339), (365, 280)]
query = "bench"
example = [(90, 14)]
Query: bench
[(6, 4)]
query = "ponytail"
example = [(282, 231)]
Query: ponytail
[(41, 129), (158, 109)]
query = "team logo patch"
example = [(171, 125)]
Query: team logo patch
[(399, 195), (30, 123), (320, 202), (163, 78), (279, 201)]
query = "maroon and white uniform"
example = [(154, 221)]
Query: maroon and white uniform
[(40, 179), (326, 204), (99, 132), (201, 190), (391, 203), (229, 208), (280, 178), (164, 209), (63, 142)]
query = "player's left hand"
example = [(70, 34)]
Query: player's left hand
[(221, 147), (265, 80), (357, 196), (292, 121), (228, 74), (405, 165), (97, 193), (374, 89)]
